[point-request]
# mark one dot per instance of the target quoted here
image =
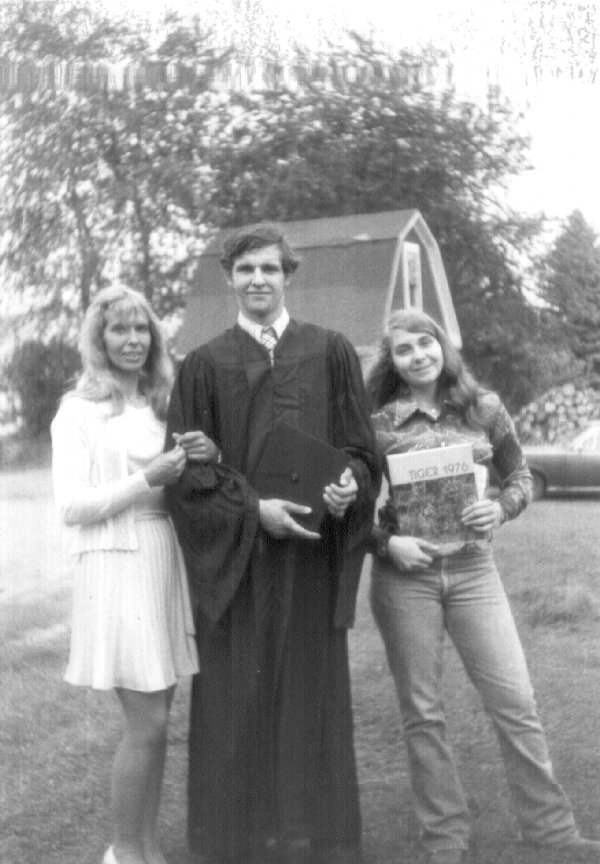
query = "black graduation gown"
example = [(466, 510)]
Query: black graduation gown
[(271, 737)]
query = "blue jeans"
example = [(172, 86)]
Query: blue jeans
[(463, 594)]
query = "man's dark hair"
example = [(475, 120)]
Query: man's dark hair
[(254, 237)]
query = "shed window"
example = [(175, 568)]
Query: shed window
[(411, 276)]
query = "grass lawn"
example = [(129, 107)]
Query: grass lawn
[(57, 741)]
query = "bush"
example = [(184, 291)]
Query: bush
[(40, 373)]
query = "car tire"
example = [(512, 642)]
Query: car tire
[(538, 486)]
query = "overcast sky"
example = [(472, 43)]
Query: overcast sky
[(562, 114)]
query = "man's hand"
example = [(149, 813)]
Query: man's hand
[(198, 446), (276, 519), (339, 496)]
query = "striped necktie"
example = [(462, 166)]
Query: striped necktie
[(268, 338)]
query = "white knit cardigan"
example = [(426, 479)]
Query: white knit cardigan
[(92, 488)]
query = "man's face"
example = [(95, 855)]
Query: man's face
[(258, 281)]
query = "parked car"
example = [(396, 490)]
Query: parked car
[(573, 466)]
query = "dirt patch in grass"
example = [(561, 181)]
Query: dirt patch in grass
[(57, 741)]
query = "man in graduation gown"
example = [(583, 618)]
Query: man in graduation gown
[(272, 770)]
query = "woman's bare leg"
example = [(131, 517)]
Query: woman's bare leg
[(152, 852), (137, 770)]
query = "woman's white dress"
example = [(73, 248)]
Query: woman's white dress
[(132, 623)]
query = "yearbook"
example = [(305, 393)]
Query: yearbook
[(430, 489)]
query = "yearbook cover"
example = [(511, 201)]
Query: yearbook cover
[(430, 489)]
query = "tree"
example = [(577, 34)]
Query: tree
[(40, 374), (571, 285), (101, 185), (340, 146), (110, 185)]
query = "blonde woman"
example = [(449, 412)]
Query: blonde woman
[(132, 629)]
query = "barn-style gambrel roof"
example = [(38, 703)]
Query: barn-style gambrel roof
[(349, 278)]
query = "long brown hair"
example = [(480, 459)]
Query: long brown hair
[(98, 380), (455, 384)]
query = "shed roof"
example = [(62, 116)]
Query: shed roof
[(348, 278), (335, 230)]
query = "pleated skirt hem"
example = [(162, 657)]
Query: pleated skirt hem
[(132, 624)]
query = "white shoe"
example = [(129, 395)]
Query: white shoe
[(109, 856)]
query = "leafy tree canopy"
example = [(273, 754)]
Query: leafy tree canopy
[(101, 185), (112, 185), (571, 285)]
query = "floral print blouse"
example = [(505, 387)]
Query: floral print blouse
[(402, 426)]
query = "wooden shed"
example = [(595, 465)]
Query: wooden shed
[(353, 271)]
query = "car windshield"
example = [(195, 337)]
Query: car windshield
[(586, 441)]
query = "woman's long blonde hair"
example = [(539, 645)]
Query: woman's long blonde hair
[(98, 380), (456, 384)]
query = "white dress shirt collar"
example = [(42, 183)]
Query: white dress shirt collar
[(255, 329)]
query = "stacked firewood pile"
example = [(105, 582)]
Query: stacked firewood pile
[(557, 414)]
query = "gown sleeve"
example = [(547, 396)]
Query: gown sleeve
[(350, 419), (192, 402)]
